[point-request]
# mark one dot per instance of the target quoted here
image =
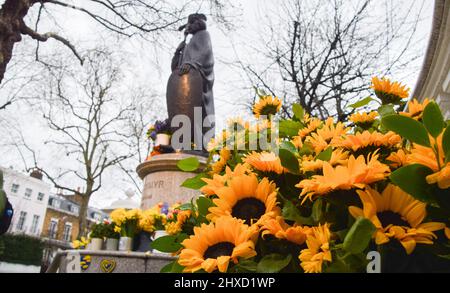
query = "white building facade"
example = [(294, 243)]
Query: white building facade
[(29, 198)]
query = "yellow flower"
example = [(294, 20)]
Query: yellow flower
[(323, 137), (313, 124), (237, 124), (147, 220), (245, 198), (176, 227), (219, 181), (338, 157), (397, 159), (318, 251), (415, 109), (117, 229), (389, 92), (265, 162), (366, 139), (219, 166), (356, 174), (363, 118), (173, 228), (266, 106), (213, 246), (281, 230), (118, 216), (396, 215), (80, 244), (442, 177)]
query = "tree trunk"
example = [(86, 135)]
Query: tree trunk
[(12, 14), (82, 217)]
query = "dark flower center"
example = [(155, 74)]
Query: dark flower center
[(387, 218), (248, 209), (219, 249)]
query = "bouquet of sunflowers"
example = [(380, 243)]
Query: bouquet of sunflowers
[(126, 221), (371, 194)]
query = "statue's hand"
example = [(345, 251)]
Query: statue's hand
[(184, 69)]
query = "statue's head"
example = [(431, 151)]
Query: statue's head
[(196, 22)]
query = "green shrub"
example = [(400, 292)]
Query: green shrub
[(21, 249)]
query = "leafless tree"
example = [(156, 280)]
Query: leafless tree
[(123, 17), (326, 51), (88, 117)]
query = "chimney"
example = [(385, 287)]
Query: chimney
[(36, 174)]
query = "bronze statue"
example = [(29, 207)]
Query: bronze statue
[(191, 82)]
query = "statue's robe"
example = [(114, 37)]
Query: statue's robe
[(197, 53)]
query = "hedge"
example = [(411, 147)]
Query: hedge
[(21, 249)]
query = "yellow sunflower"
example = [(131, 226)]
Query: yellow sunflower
[(173, 228), (219, 181), (245, 198), (364, 119), (213, 246), (266, 106), (281, 230), (313, 124), (219, 166), (318, 251), (389, 92), (415, 109), (397, 159), (367, 139), (265, 162), (357, 174), (323, 137), (338, 157), (396, 215)]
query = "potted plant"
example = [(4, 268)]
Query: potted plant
[(126, 223), (151, 223), (112, 237), (160, 132), (96, 235)]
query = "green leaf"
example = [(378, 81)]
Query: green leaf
[(359, 235), (195, 182), (325, 155), (244, 266), (287, 145), (411, 179), (291, 213), (203, 204), (185, 207), (433, 119), (169, 243), (407, 128), (446, 143), (361, 103), (299, 112), (289, 161), (386, 110), (317, 210), (189, 164), (289, 128), (273, 263)]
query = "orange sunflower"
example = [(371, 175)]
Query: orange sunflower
[(322, 138), (415, 109), (396, 215), (281, 230), (363, 119), (318, 251), (219, 181), (369, 141), (357, 174), (245, 198), (266, 106), (389, 92), (265, 162), (397, 159), (219, 166), (338, 157), (213, 246)]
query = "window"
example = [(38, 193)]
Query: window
[(40, 196), (54, 202), (28, 192), (22, 219), (14, 188), (34, 224), (67, 235), (53, 228)]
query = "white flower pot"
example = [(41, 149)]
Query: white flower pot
[(96, 244), (125, 244), (156, 235), (112, 244), (162, 139)]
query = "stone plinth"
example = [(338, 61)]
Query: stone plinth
[(163, 179), (109, 262)]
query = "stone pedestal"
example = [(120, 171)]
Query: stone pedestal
[(88, 261), (163, 179)]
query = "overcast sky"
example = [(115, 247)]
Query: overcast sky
[(151, 66)]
